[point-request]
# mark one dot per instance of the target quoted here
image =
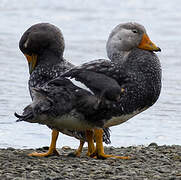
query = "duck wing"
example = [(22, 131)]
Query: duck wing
[(102, 77)]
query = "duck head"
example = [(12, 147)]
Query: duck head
[(127, 36), (41, 42)]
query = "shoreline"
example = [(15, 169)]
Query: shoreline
[(147, 162)]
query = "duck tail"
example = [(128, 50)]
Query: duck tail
[(23, 117), (26, 116)]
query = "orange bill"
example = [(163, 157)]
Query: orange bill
[(147, 44), (32, 61)]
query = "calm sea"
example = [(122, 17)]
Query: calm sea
[(86, 25)]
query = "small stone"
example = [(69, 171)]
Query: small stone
[(172, 178), (17, 178), (47, 178), (34, 173), (153, 144), (109, 172), (156, 176), (65, 148), (112, 148), (10, 148)]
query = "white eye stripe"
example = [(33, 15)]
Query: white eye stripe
[(26, 43), (79, 84)]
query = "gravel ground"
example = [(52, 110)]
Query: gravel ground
[(152, 162)]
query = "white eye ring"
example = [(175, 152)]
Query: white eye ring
[(135, 31)]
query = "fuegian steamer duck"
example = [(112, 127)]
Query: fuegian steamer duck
[(115, 90), (43, 45)]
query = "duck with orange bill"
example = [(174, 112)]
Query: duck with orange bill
[(116, 90), (43, 46)]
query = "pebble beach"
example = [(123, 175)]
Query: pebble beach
[(147, 163)]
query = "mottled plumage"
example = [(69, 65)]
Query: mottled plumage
[(47, 41), (136, 81), (119, 89), (139, 78)]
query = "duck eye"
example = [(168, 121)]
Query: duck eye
[(134, 31)]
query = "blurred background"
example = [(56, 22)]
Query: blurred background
[(86, 25)]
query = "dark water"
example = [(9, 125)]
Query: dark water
[(86, 25)]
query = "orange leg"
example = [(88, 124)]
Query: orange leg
[(52, 149), (99, 152), (91, 147), (78, 151), (90, 140)]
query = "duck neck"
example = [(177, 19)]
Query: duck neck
[(49, 57), (118, 56)]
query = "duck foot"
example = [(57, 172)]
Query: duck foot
[(105, 156), (46, 154), (78, 151), (99, 152), (52, 149)]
